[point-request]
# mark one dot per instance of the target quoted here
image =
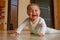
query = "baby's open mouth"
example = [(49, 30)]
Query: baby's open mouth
[(34, 15)]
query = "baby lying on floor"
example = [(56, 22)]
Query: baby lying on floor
[(35, 22)]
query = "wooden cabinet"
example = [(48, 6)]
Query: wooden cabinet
[(2, 3), (3, 14), (57, 13)]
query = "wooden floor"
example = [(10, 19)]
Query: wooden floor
[(5, 35)]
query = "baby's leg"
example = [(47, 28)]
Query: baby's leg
[(51, 30)]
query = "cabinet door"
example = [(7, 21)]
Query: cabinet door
[(3, 13), (57, 13)]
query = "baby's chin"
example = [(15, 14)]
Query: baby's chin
[(34, 18)]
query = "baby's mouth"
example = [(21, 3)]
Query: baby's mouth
[(34, 15)]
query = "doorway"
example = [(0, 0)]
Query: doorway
[(12, 14)]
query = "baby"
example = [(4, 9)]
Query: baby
[(34, 22)]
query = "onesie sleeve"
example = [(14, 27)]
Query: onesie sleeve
[(43, 28), (21, 26)]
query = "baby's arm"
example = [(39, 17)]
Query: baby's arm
[(20, 28), (43, 29)]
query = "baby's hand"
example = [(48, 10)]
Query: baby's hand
[(40, 34), (15, 34)]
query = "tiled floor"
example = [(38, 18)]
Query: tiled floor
[(4, 35)]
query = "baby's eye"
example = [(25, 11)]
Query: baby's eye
[(36, 10), (30, 11)]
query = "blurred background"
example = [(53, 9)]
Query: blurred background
[(13, 13)]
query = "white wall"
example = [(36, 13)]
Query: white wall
[(22, 10)]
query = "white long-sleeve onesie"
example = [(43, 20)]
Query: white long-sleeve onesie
[(40, 24)]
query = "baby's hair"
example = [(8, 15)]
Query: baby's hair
[(33, 4)]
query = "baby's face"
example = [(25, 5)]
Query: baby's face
[(33, 12)]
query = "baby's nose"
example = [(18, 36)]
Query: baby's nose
[(34, 12)]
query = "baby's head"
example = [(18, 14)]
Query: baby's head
[(33, 11)]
